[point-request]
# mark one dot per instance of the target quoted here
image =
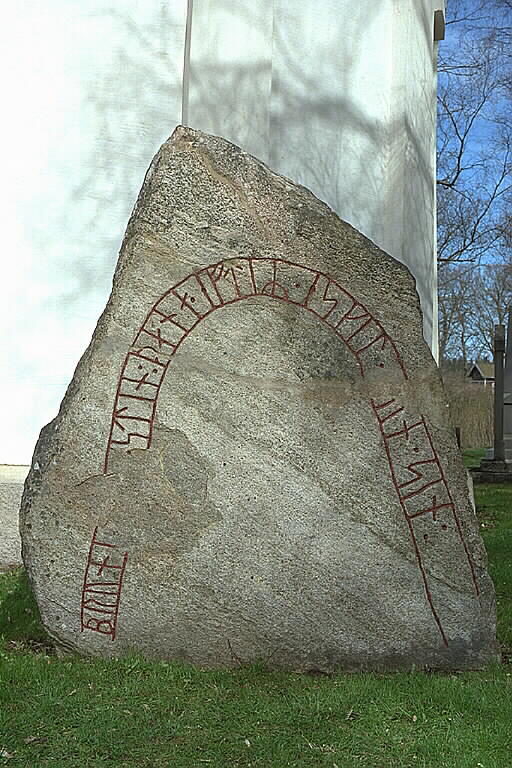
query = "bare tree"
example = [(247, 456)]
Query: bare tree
[(492, 290), (474, 130), (455, 295), (472, 299)]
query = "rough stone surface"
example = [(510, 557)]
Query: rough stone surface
[(12, 477), (254, 458)]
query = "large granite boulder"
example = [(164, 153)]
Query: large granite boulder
[(254, 458)]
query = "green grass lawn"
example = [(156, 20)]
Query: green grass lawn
[(132, 713)]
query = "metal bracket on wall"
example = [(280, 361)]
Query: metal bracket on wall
[(439, 25)]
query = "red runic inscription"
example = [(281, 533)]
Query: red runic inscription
[(182, 307), (421, 487), (101, 591)]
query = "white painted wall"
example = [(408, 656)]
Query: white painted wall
[(93, 87), (336, 94), (339, 96)]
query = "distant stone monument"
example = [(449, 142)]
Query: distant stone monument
[(496, 467), (507, 396), (254, 460)]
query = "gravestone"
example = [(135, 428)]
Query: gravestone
[(496, 466), (507, 399), (254, 460)]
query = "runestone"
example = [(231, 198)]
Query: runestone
[(254, 459)]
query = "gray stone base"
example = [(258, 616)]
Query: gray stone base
[(491, 471), (12, 478)]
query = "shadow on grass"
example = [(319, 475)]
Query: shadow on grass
[(472, 457), (494, 510), (20, 622)]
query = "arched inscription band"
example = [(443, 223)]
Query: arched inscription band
[(423, 492), (178, 312)]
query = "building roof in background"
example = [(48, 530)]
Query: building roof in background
[(485, 369)]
